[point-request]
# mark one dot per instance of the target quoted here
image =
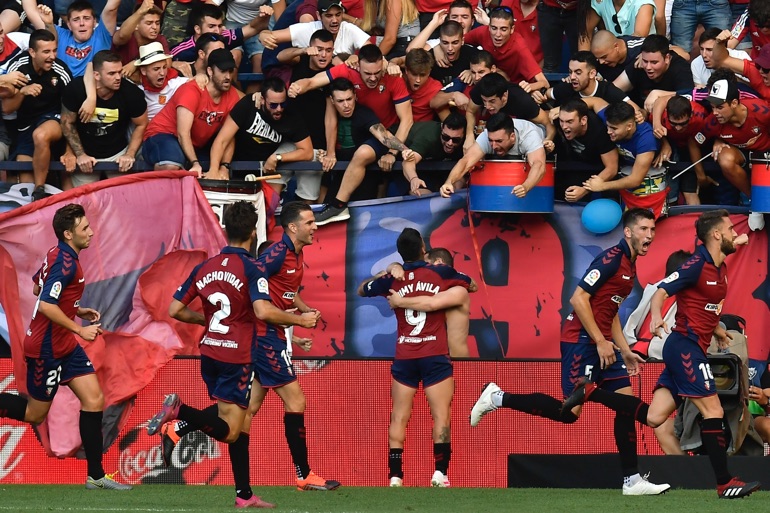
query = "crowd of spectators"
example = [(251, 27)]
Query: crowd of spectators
[(369, 84)]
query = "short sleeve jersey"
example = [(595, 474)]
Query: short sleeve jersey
[(642, 141), (519, 105), (633, 49), (209, 115), (563, 92), (590, 147), (676, 78), (106, 133), (52, 83), (695, 128), (282, 270), (700, 287), (514, 58), (609, 279), (259, 135), (227, 287), (349, 39), (77, 55), (421, 98), (382, 99), (753, 134), (61, 283), (420, 334)]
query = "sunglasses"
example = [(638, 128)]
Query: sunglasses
[(618, 28), (679, 123), (455, 140), (274, 106), (504, 9), (761, 69)]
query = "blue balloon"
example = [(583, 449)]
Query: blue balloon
[(601, 216)]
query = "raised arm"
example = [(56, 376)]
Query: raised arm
[(110, 16), (128, 27)]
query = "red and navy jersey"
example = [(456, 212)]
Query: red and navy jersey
[(420, 334), (227, 286), (696, 127), (752, 134), (61, 283), (282, 269), (700, 287), (609, 279)]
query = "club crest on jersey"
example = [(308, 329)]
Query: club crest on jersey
[(48, 391), (55, 290), (707, 385), (671, 277), (381, 88), (592, 277), (755, 129), (262, 286), (54, 81)]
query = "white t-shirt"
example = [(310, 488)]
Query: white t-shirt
[(349, 39), (529, 137), (156, 101), (243, 11), (701, 74)]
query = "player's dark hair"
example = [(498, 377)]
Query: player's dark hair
[(322, 35), (240, 221), (40, 35), (461, 4), (440, 253), (633, 215), (759, 12), (80, 5), (341, 84), (454, 121), (66, 219), (409, 245), (679, 107), (418, 61), (450, 28), (709, 34), (576, 105), (676, 259), (153, 10), (587, 57), (483, 57), (619, 112), (370, 53), (103, 56), (708, 221), (501, 13), (655, 43), (292, 213), (206, 39), (500, 121), (274, 84), (262, 247), (206, 10), (493, 84)]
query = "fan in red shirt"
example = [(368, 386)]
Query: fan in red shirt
[(754, 22), (509, 49), (422, 88), (738, 126), (757, 71)]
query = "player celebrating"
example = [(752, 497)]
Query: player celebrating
[(422, 351), (700, 285), (53, 353), (227, 285), (587, 348)]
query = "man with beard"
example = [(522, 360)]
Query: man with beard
[(582, 83), (700, 285), (348, 38), (104, 137), (159, 81), (431, 140), (583, 139), (587, 348), (268, 134), (504, 136), (38, 105), (662, 69), (181, 132)]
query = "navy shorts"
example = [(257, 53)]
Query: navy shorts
[(227, 382), (687, 372), (44, 375), (25, 145), (163, 149), (582, 359), (429, 369), (272, 363)]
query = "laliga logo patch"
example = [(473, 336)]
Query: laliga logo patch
[(592, 277), (262, 286), (671, 277), (700, 138), (55, 290)]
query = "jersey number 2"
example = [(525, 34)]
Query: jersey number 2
[(223, 302)]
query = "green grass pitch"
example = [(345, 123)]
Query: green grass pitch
[(204, 499)]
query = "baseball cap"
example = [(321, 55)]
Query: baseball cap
[(722, 91), (763, 59), (222, 59), (149, 53), (325, 5)]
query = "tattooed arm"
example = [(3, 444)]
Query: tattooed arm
[(69, 120)]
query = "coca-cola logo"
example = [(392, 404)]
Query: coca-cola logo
[(10, 436), (141, 458)]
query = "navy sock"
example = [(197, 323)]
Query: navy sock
[(206, 420), (712, 434), (294, 429), (239, 460), (13, 406), (540, 405), (91, 436), (396, 463), (442, 452), (625, 440)]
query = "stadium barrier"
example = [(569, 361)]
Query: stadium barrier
[(348, 408)]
